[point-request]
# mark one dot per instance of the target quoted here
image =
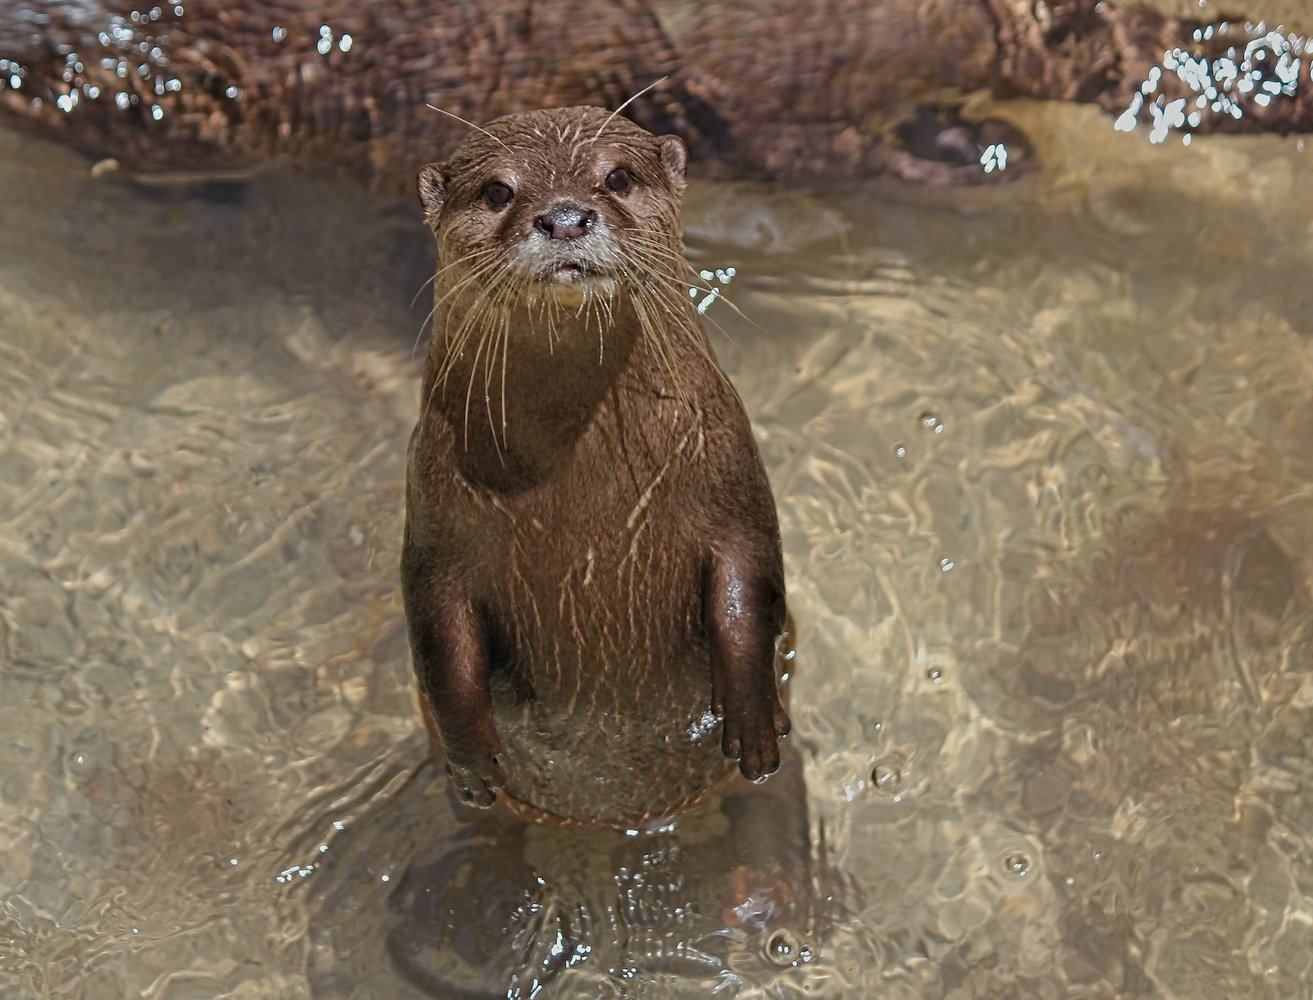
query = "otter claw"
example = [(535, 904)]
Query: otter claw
[(755, 745), (477, 784), (760, 761)]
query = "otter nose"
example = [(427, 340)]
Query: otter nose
[(565, 221)]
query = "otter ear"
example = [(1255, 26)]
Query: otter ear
[(674, 157), (432, 191)]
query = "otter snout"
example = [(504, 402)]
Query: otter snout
[(565, 221)]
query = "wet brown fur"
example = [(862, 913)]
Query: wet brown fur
[(591, 563)]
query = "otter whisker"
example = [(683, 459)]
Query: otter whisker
[(444, 268), (664, 295), (480, 352), (552, 333), (674, 384), (674, 289), (454, 341), (477, 128), (502, 338), (505, 361), (603, 324), (641, 298), (482, 257), (628, 101), (475, 278), (438, 300), (415, 298), (646, 239), (483, 265), (499, 337)]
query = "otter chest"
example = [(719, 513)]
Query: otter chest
[(599, 577)]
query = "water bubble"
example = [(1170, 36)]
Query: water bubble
[(1017, 864), (900, 451), (935, 675), (783, 948), (886, 777), (296, 871), (930, 422), (946, 564), (994, 157)]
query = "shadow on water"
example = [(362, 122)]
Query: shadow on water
[(725, 898)]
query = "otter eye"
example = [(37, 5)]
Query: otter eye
[(618, 181), (497, 194)]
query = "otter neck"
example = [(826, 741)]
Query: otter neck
[(520, 389)]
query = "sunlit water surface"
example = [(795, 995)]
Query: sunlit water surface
[(1042, 458)]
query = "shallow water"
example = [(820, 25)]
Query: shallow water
[(1042, 459)]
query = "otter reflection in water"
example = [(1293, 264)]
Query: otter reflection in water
[(591, 567)]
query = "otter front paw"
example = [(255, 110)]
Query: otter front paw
[(477, 781), (750, 735)]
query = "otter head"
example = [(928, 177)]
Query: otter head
[(555, 205)]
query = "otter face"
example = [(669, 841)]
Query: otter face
[(562, 200)]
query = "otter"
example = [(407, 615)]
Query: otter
[(591, 566)]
